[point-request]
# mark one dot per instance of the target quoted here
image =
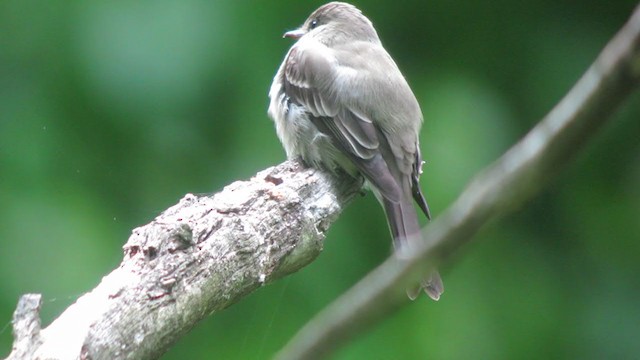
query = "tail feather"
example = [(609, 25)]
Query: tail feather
[(403, 223)]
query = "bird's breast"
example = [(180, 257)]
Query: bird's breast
[(297, 133)]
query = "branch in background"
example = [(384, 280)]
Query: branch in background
[(512, 180), (196, 258)]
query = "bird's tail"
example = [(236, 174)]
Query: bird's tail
[(404, 226)]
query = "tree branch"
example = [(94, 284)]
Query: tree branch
[(196, 258), (512, 180)]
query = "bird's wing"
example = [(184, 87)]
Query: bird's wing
[(310, 77)]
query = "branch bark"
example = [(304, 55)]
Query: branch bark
[(513, 179), (196, 258)]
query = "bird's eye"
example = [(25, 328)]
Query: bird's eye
[(314, 23)]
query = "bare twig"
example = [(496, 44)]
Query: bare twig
[(196, 258), (512, 180)]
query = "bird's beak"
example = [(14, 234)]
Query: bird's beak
[(294, 34)]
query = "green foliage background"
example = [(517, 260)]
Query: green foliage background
[(110, 111)]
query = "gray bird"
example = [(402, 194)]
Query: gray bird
[(339, 101)]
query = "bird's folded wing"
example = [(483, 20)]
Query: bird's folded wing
[(310, 77)]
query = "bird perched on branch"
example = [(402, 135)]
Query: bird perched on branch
[(339, 101)]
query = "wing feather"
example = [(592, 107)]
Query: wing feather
[(310, 76)]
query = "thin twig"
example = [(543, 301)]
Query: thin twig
[(513, 179)]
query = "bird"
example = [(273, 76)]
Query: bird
[(340, 102)]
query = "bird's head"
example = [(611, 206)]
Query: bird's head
[(334, 23)]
